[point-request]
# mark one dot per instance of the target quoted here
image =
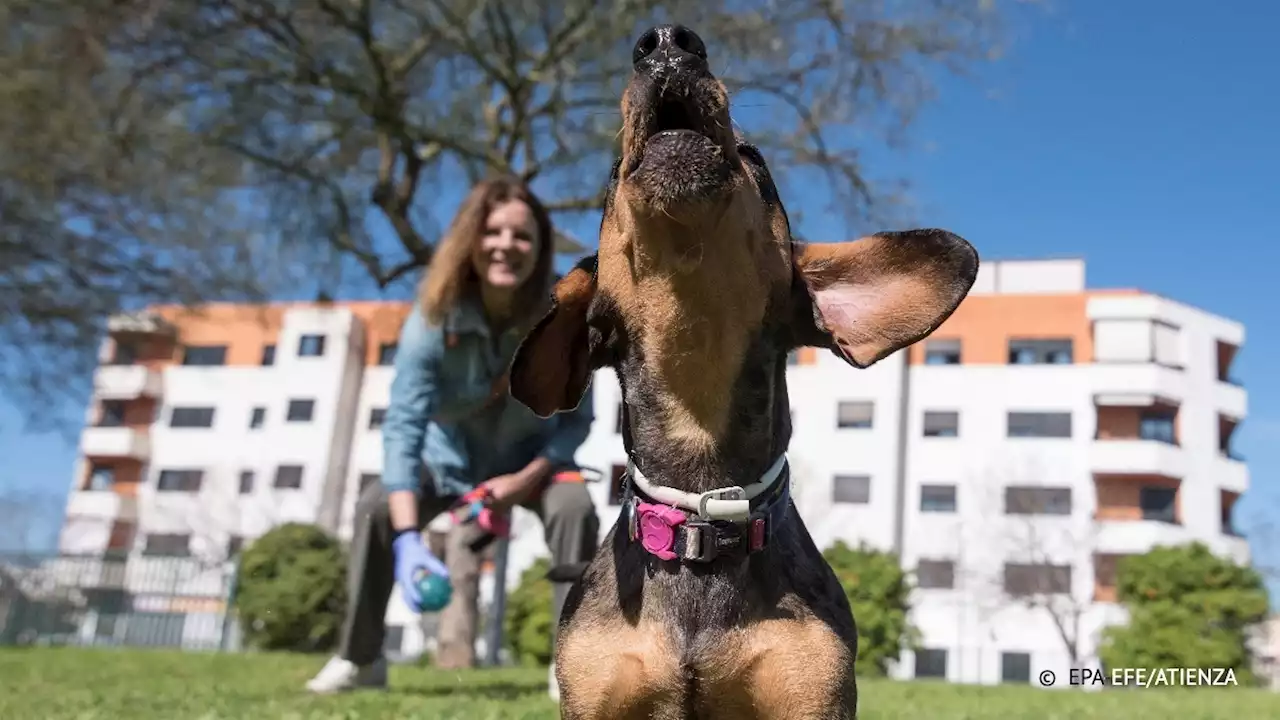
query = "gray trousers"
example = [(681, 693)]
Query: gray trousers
[(571, 530)]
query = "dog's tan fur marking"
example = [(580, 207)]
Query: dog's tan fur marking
[(693, 293), (777, 670), (610, 670)]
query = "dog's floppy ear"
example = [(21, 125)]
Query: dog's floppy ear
[(871, 297), (552, 367)]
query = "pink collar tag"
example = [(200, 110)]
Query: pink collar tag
[(655, 524)]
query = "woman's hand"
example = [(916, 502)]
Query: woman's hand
[(510, 490), (518, 487)]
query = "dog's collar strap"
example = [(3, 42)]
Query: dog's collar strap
[(726, 503), (671, 533)]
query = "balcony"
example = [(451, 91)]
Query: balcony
[(140, 324), (1231, 473), (1136, 457), (1135, 537), (1230, 399), (115, 442), (102, 504), (1136, 384), (126, 382)]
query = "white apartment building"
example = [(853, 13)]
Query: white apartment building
[(1043, 431)]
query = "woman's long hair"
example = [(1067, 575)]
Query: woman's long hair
[(451, 273)]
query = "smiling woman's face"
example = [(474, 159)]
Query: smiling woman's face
[(507, 250)]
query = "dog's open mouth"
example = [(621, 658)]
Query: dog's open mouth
[(676, 145), (676, 123), (675, 114)]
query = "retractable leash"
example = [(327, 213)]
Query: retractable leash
[(435, 590), (476, 507)]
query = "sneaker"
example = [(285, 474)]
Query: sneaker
[(339, 675), (553, 686)]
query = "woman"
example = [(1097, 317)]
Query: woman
[(452, 424)]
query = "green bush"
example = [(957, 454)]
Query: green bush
[(291, 592), (1187, 608), (879, 593), (528, 626)]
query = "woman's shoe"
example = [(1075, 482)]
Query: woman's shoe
[(339, 675)]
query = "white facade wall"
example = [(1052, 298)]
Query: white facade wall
[(1147, 348)]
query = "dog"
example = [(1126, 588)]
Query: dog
[(708, 598)]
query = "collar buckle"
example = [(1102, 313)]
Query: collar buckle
[(732, 494)]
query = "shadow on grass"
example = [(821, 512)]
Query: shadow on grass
[(498, 690)]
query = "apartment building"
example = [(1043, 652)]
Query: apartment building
[(1043, 431)]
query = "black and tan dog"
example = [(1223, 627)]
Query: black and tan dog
[(709, 599)]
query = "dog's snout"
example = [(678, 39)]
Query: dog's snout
[(668, 45)]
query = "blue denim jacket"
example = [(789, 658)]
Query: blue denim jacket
[(442, 376)]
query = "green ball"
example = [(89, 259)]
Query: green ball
[(435, 592)]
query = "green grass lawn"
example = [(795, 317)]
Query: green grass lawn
[(85, 684)]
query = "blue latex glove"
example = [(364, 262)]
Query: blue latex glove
[(411, 555)]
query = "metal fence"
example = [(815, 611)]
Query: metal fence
[(117, 600)]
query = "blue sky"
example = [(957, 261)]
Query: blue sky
[(1137, 135)]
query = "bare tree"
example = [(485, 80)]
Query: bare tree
[(1043, 544), (29, 522), (180, 149)]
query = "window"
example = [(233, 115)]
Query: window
[(191, 417), (1226, 503), (1159, 504), (1039, 579), (1039, 424), (1037, 500), (125, 353), (931, 663), (617, 476), (938, 498), (300, 410), (268, 355), (246, 482), (205, 355), (311, 346), (387, 354), (167, 545), (101, 477), (942, 352), (368, 479), (179, 481), (1015, 667), (258, 417), (1157, 425), (376, 416), (235, 544), (938, 423), (1040, 352), (289, 477), (1105, 566), (851, 489), (112, 413), (935, 574), (851, 414)]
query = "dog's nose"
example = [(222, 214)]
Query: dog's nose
[(668, 45)]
